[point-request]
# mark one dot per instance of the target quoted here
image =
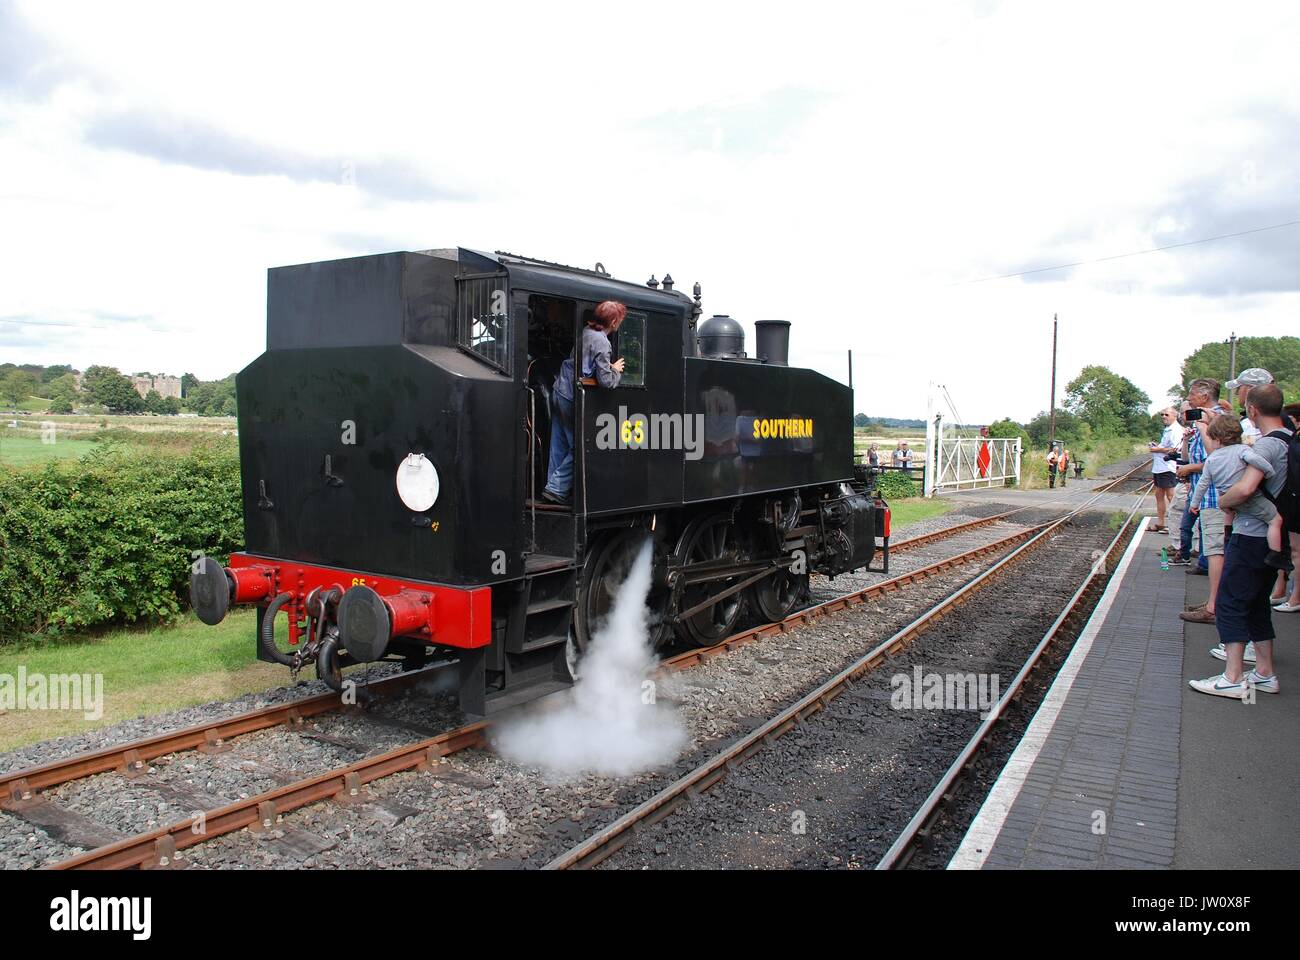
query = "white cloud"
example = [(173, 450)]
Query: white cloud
[(845, 167)]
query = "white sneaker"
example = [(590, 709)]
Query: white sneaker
[(1218, 653), (1221, 686), (1263, 684), (1286, 608)]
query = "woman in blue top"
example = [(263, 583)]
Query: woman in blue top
[(596, 366)]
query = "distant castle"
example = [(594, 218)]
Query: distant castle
[(165, 385)]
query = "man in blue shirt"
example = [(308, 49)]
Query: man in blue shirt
[(1204, 395)]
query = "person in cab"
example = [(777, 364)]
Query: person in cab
[(597, 370)]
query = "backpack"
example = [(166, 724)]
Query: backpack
[(1287, 500)]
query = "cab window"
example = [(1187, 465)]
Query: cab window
[(629, 344), (482, 320)]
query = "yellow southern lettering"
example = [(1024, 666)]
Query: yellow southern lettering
[(783, 427)]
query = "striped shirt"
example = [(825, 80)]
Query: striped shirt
[(1196, 454)]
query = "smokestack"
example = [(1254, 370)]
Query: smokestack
[(772, 342)]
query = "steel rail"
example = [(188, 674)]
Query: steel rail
[(159, 847), (917, 831), (922, 539), (613, 837), (1125, 478), (21, 786)]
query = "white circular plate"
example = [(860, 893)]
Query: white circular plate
[(417, 482)]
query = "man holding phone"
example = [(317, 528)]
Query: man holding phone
[(1203, 395)]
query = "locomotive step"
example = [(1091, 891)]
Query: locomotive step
[(540, 562), (541, 606), (504, 700), (549, 507), (542, 642)]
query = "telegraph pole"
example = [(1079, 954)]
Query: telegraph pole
[(1052, 406), (1232, 363)]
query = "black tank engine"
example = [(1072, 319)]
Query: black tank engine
[(394, 443)]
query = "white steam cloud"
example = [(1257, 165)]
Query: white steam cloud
[(610, 722)]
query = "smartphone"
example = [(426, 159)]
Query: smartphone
[(1194, 414)]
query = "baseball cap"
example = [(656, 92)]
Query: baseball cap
[(1250, 377)]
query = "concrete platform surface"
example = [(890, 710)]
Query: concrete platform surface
[(1124, 766)]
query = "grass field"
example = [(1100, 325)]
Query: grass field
[(20, 449), (144, 423), (76, 435), (887, 438), (912, 509), (34, 405), (145, 671)]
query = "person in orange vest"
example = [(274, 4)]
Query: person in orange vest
[(1063, 463)]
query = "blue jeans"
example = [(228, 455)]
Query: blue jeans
[(559, 470), (1185, 528)]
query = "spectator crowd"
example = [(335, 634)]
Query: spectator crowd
[(1226, 495)]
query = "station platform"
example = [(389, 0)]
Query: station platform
[(1126, 767)]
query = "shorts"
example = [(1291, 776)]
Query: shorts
[(1165, 480), (1211, 532)]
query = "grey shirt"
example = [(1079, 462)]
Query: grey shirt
[(1274, 451), (595, 363), (1223, 468)]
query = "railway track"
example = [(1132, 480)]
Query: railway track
[(19, 787), (159, 847), (711, 772), (916, 834)]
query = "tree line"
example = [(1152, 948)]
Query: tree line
[(108, 388), (1100, 404), (863, 422)]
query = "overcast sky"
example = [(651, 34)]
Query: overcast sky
[(848, 167)]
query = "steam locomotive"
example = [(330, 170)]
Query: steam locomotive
[(394, 443)]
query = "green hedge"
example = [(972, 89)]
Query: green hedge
[(109, 538), (894, 484)]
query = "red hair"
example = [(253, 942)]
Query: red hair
[(609, 316)]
